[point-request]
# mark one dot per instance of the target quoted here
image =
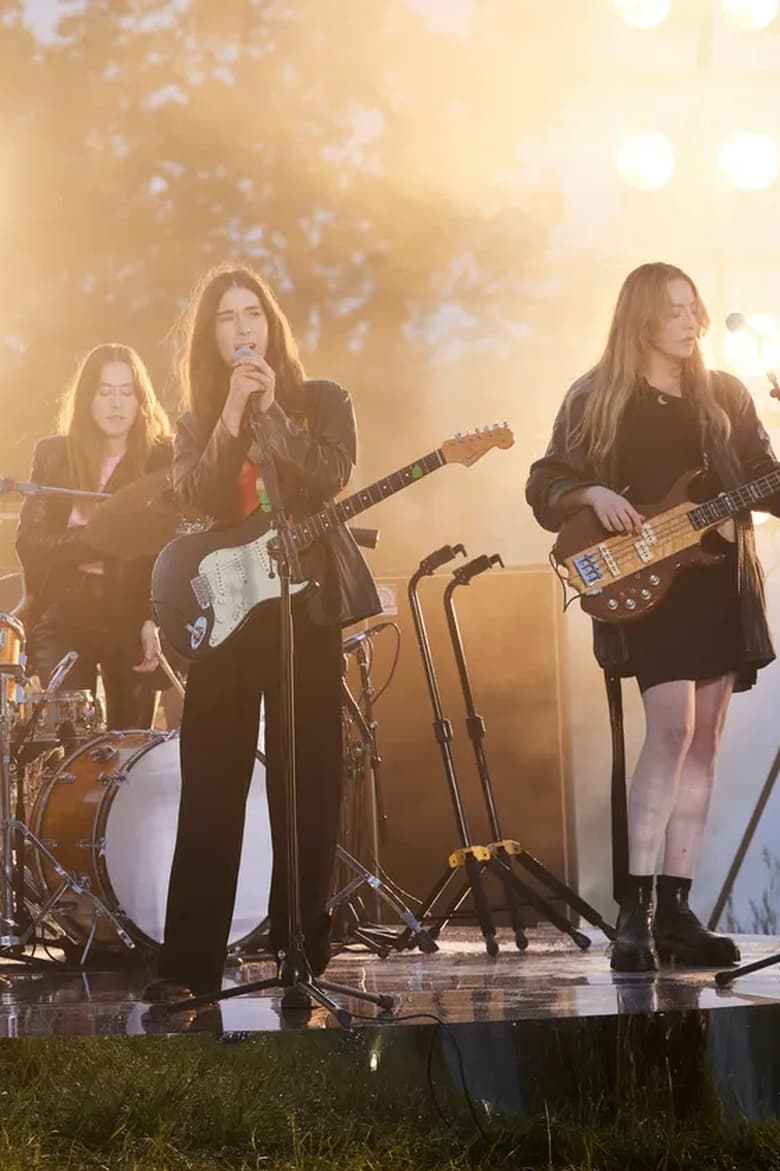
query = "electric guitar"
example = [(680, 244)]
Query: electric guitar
[(622, 576), (206, 585)]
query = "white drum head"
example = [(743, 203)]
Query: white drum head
[(141, 835)]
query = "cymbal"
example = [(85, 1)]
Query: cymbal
[(137, 520)]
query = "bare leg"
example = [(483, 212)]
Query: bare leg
[(678, 933), (670, 710), (688, 818)]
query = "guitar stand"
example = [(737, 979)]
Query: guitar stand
[(504, 850), (472, 859)]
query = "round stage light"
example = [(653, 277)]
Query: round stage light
[(749, 161), (643, 13), (751, 14), (646, 160)]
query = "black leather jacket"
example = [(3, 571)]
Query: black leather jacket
[(45, 545), (314, 455), (746, 455)]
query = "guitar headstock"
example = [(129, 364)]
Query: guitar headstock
[(467, 449)]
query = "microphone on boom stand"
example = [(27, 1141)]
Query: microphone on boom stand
[(739, 323)]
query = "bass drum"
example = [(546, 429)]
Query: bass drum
[(108, 814)]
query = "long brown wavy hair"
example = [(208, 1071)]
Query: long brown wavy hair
[(204, 377), (643, 302), (85, 440)]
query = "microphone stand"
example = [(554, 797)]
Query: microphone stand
[(29, 488), (294, 974)]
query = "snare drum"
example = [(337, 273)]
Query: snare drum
[(108, 814), (66, 716)]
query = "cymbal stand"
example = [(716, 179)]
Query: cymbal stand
[(376, 937), (506, 851)]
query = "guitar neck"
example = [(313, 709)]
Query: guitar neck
[(720, 508), (337, 514)]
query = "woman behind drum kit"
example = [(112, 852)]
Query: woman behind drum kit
[(113, 430)]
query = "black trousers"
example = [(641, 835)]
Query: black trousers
[(218, 741), (77, 616)]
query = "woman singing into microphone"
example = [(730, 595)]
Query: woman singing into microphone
[(113, 430), (240, 358)]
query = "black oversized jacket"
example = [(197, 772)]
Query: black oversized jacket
[(314, 455), (45, 544), (746, 455)]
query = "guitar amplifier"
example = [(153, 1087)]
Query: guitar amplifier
[(511, 625)]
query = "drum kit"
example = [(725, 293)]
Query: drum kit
[(88, 819)]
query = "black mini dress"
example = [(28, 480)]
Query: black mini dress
[(694, 632)]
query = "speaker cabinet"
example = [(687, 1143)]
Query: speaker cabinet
[(510, 622)]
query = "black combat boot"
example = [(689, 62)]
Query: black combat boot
[(680, 936), (633, 949)]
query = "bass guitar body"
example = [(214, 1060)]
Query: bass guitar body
[(621, 577)]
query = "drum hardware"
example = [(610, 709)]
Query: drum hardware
[(355, 921), (16, 898), (117, 832)]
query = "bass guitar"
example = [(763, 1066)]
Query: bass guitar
[(620, 577), (206, 585)]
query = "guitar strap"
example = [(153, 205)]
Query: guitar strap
[(618, 797)]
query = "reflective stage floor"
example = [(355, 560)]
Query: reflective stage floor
[(552, 1026), (551, 981)]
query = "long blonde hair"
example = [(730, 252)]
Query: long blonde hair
[(84, 437), (641, 306)]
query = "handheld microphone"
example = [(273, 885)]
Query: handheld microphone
[(242, 354), (353, 642)]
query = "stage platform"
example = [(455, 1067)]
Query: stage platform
[(551, 1021)]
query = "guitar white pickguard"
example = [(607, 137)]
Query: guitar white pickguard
[(238, 580)]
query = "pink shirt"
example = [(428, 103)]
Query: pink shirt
[(77, 516)]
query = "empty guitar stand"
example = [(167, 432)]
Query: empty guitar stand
[(505, 851)]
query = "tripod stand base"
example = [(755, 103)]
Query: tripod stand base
[(299, 987)]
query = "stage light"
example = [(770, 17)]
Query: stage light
[(749, 161), (751, 14), (643, 13), (646, 160)]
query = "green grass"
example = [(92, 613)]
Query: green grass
[(281, 1101)]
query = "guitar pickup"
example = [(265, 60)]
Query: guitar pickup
[(202, 591), (588, 568), (644, 547), (609, 560)]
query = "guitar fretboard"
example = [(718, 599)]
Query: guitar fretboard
[(336, 514), (737, 499)]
